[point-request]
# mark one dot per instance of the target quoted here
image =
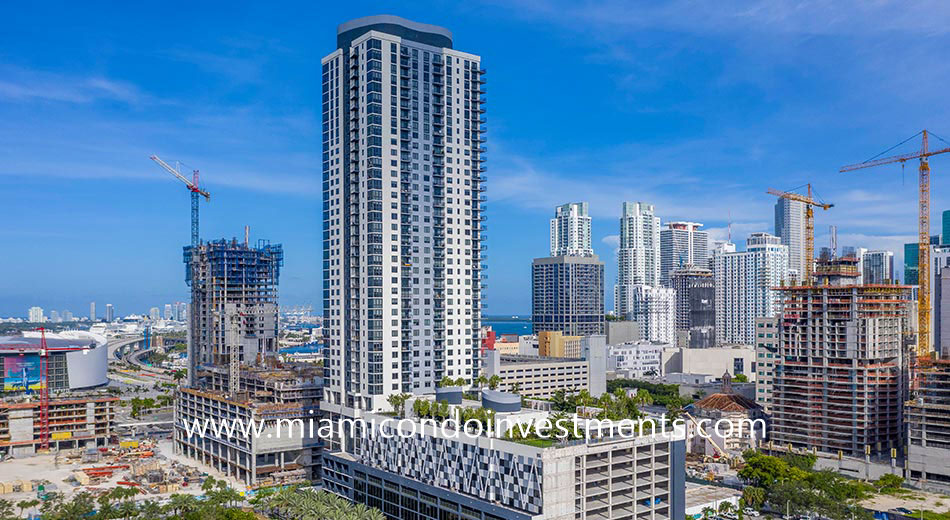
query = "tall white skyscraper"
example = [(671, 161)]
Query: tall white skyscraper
[(92, 311), (36, 315), (167, 314), (877, 267), (654, 309), (110, 313), (745, 283), (639, 254), (790, 228), (570, 230), (682, 244), (402, 217)]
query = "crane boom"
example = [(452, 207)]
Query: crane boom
[(889, 160), (193, 186), (923, 234)]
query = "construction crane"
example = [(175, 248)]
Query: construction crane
[(41, 424), (923, 231), (809, 224), (192, 186)]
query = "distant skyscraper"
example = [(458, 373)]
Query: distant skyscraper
[(682, 244), (911, 255), (54, 317), (570, 230), (154, 314), (654, 310), (110, 313), (92, 311), (695, 307), (790, 227), (402, 219), (877, 267), (168, 311), (36, 315), (67, 316), (945, 230), (567, 295), (639, 254), (745, 283)]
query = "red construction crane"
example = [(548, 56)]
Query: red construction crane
[(923, 233), (192, 186), (42, 422)]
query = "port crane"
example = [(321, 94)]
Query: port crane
[(809, 202), (192, 186), (923, 229)]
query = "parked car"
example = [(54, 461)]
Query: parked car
[(750, 512)]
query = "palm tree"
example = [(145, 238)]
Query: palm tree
[(23, 505), (6, 508), (481, 381), (182, 503), (493, 382), (708, 511)]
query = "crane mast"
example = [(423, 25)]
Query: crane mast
[(809, 202), (192, 186), (923, 234)]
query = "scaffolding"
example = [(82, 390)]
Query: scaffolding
[(840, 379), (230, 278)]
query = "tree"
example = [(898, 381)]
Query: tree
[(481, 381), (753, 496), (493, 382), (741, 378), (25, 505), (6, 508), (889, 483), (398, 402), (708, 511)]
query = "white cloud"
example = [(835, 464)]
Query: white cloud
[(21, 85)]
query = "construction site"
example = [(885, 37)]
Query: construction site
[(234, 373), (928, 421), (840, 375), (52, 396), (283, 453)]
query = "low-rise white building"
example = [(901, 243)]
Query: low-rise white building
[(636, 359)]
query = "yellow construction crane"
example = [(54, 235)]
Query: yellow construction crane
[(923, 233), (809, 224)]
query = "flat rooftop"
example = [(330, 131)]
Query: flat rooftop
[(701, 494)]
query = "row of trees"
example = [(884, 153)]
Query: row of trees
[(220, 502), (790, 482), (297, 503), (663, 395), (614, 406), (119, 502)]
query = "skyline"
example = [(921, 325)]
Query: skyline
[(88, 216)]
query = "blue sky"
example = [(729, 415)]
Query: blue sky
[(697, 107)]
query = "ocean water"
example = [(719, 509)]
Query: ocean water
[(519, 327)]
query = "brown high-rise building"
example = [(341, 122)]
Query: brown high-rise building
[(840, 379)]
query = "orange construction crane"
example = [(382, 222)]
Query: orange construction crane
[(809, 224), (923, 232)]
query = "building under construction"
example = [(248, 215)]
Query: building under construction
[(279, 403), (840, 375), (80, 420), (234, 303), (928, 422), (235, 379)]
